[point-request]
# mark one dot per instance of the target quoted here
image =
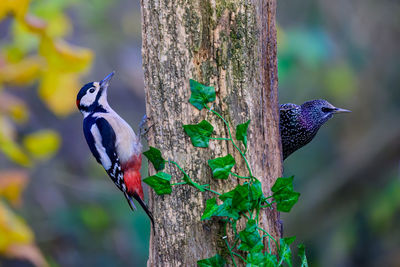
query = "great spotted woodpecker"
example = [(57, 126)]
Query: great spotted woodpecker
[(112, 141)]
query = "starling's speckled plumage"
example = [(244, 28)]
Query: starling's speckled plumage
[(299, 124)]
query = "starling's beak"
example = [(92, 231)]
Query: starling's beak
[(106, 81), (340, 110)]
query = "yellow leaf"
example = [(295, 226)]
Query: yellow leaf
[(58, 26), (58, 90), (13, 229), (42, 144), (13, 107), (18, 8), (23, 72), (65, 57), (17, 239), (35, 24), (10, 148), (12, 183)]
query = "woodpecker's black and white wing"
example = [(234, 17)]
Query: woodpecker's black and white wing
[(101, 140)]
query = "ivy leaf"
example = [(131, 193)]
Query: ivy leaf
[(160, 182), (221, 167), (225, 209), (284, 195), (199, 133), (250, 238), (211, 207), (155, 157), (258, 259), (302, 255), (216, 261), (240, 199), (255, 192), (191, 183), (241, 132), (201, 94), (284, 249)]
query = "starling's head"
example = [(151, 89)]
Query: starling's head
[(93, 95), (319, 111)]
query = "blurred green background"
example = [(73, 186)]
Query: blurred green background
[(58, 206)]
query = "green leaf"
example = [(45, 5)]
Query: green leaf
[(155, 157), (216, 261), (258, 259), (241, 132), (240, 199), (255, 192), (302, 255), (221, 167), (191, 183), (211, 207), (250, 238), (199, 133), (284, 195), (225, 209), (201, 94), (160, 182), (285, 253)]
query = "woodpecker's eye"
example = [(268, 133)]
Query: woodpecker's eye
[(326, 110), (91, 90)]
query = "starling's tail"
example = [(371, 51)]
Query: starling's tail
[(144, 206)]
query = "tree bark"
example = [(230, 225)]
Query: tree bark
[(229, 44)]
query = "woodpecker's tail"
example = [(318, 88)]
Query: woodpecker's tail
[(142, 203)]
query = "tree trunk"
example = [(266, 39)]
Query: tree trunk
[(229, 44)]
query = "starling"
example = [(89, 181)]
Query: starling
[(299, 124)]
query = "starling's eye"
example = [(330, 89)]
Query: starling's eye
[(326, 110), (91, 90)]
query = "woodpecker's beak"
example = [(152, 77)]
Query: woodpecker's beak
[(106, 81), (340, 110)]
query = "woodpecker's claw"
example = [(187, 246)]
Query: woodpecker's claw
[(143, 126)]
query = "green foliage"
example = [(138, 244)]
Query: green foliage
[(160, 182), (259, 259), (285, 254), (221, 167), (244, 201), (201, 94), (216, 261), (224, 210), (199, 133), (302, 254), (241, 132), (250, 238), (284, 195), (154, 156)]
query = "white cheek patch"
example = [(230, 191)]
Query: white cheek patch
[(105, 160), (89, 98)]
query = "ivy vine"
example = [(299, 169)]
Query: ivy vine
[(243, 202)]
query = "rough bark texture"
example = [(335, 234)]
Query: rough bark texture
[(229, 44)]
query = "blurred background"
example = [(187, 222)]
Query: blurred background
[(58, 206)]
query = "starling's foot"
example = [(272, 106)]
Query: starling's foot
[(144, 126)]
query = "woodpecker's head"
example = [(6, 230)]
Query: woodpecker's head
[(317, 112), (93, 96)]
